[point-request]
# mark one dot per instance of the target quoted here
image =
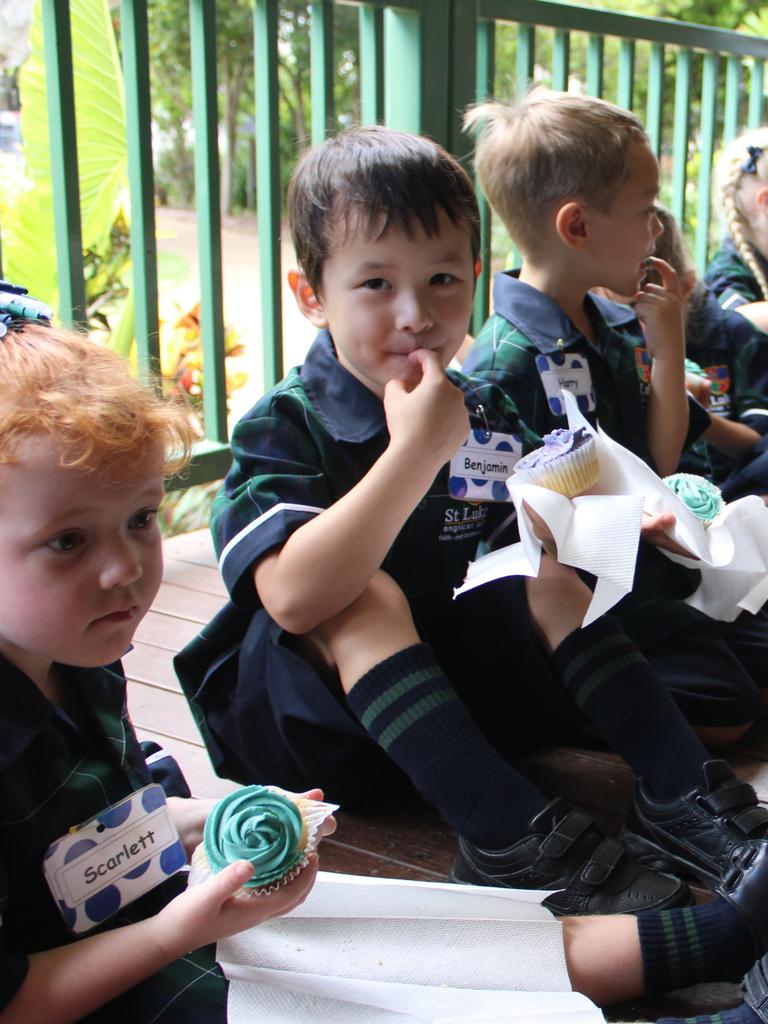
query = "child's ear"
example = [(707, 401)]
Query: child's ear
[(307, 299), (761, 199), (571, 225)]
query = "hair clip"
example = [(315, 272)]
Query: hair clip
[(749, 166), (17, 308)]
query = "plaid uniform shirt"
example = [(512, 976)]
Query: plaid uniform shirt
[(734, 355), (309, 441), (528, 347), (730, 278), (53, 775)]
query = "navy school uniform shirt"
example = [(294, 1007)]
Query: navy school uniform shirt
[(734, 355), (56, 773), (730, 278), (300, 448), (530, 348)]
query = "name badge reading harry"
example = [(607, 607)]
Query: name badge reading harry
[(571, 372), (110, 861), (481, 466)]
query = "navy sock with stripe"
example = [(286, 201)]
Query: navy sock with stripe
[(740, 1014), (616, 689), (689, 945), (408, 706)]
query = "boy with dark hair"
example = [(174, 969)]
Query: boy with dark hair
[(342, 656)]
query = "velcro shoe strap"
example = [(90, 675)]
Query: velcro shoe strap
[(602, 863), (750, 820), (729, 798), (565, 833), (755, 987)]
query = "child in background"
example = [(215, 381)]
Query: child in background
[(83, 452), (738, 272), (733, 355), (582, 223), (342, 655)]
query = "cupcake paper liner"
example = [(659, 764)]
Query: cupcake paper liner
[(313, 812), (569, 474)]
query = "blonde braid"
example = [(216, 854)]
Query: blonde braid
[(730, 176)]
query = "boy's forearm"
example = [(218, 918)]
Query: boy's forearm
[(732, 438), (66, 983), (667, 414), (327, 563)]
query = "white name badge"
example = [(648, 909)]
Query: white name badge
[(481, 466), (570, 372), (110, 861)]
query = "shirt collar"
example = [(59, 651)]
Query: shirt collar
[(26, 711), (348, 410), (542, 320)]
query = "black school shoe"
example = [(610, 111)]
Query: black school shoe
[(755, 989), (565, 850), (701, 831)]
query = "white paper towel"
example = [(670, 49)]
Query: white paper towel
[(382, 951), (600, 532)]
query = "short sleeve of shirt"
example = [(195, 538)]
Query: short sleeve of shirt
[(730, 279), (276, 484), (13, 966)]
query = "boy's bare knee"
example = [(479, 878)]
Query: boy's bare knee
[(721, 735), (374, 626)]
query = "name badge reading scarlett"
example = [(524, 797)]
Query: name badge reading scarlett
[(110, 861), (481, 466)]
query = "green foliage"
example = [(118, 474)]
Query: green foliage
[(28, 230)]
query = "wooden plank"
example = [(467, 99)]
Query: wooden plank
[(162, 711), (196, 547), (204, 578), (186, 604), (194, 762), (166, 631), (154, 665)]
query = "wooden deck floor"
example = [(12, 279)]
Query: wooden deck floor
[(406, 841)]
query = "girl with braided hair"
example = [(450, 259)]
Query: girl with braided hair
[(738, 273)]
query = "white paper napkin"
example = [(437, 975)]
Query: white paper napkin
[(364, 950), (600, 532)]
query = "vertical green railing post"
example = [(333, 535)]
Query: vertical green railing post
[(321, 68), (202, 27), (680, 134), (526, 57), (134, 37), (732, 98), (402, 59), (371, 35), (62, 134), (625, 87), (756, 98), (654, 106), (561, 59), (485, 72), (461, 56), (595, 51), (708, 124), (269, 195)]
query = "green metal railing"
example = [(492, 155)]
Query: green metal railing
[(420, 63)]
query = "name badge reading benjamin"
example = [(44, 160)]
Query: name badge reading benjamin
[(110, 861), (481, 466)]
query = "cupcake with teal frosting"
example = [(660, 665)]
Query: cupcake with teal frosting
[(274, 830), (698, 494)]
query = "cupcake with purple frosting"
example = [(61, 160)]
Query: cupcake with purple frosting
[(567, 462)]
